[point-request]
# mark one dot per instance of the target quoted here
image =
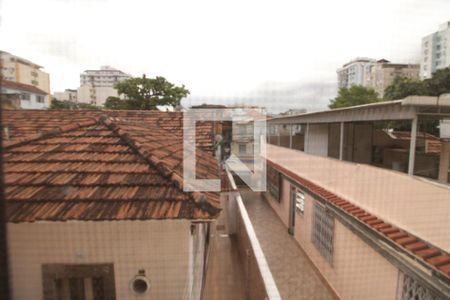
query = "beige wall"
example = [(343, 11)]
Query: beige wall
[(159, 247), (357, 271), (406, 202), (101, 93), (23, 73)]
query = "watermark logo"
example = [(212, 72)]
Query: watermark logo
[(240, 145)]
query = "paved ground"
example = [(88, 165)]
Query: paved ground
[(225, 277), (294, 274)]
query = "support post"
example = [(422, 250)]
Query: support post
[(278, 134), (444, 162), (307, 138), (341, 142), (290, 136), (412, 146)]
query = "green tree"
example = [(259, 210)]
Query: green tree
[(116, 103), (437, 85), (62, 104), (402, 87), (147, 93), (355, 95)]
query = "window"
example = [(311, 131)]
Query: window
[(242, 148), (25, 96), (411, 289), (40, 98), (78, 281), (274, 183), (322, 232), (299, 200)]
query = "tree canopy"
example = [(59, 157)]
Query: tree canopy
[(402, 87), (146, 93), (62, 104), (355, 95)]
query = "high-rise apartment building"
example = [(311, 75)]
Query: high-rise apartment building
[(382, 74), (435, 53), (97, 85), (375, 74), (354, 72), (20, 70)]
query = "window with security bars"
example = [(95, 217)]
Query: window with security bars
[(411, 289), (78, 281), (274, 183), (322, 232)]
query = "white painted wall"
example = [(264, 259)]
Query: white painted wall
[(318, 139), (29, 104)]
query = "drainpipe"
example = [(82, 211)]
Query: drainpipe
[(412, 146)]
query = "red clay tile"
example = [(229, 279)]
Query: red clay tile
[(368, 218), (427, 253), (416, 246), (439, 260), (381, 226), (397, 235), (445, 268), (374, 222), (406, 240), (389, 230)]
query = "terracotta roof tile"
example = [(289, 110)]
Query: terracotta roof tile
[(87, 166)]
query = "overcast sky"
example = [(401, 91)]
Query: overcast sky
[(278, 54)]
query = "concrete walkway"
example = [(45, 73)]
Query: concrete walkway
[(294, 274), (225, 276)]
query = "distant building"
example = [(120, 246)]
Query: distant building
[(67, 95), (30, 96), (383, 72), (354, 72), (291, 112), (375, 74), (435, 51), (97, 85), (17, 69)]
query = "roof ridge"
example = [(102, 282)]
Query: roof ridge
[(199, 198), (49, 133)]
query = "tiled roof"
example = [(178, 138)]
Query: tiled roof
[(23, 123), (102, 167), (21, 87), (421, 250)]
